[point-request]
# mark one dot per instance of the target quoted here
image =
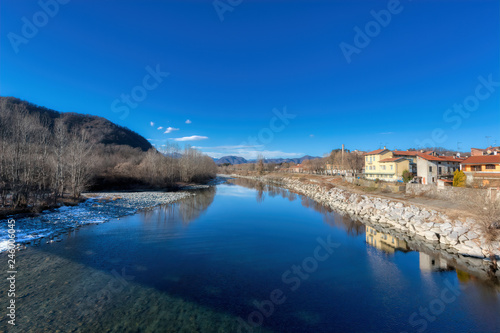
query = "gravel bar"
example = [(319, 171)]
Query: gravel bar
[(98, 208)]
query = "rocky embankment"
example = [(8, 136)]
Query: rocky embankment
[(456, 236)]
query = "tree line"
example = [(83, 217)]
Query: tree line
[(334, 163), (44, 160)]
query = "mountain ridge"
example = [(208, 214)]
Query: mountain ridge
[(232, 159), (100, 129)]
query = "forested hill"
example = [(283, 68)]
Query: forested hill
[(100, 129)]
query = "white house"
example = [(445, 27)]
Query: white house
[(430, 168)]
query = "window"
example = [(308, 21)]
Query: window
[(392, 167), (476, 168), (439, 169), (490, 167), (430, 169)]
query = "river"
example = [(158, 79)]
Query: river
[(243, 257)]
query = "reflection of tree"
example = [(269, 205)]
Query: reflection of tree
[(192, 207), (260, 187), (331, 218), (187, 209), (351, 227)]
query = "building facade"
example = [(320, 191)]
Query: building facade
[(383, 165), (430, 168), (482, 170)]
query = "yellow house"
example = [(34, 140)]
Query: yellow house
[(382, 164)]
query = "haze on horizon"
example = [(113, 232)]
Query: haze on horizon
[(283, 79)]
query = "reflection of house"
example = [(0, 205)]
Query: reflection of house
[(428, 263), (484, 170), (386, 165), (385, 242)]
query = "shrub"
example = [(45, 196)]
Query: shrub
[(407, 176), (459, 178)]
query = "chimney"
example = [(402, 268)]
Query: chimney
[(384, 147)]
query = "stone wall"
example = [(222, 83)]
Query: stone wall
[(445, 193), (395, 187)]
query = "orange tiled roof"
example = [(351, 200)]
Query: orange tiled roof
[(405, 153), (393, 159), (440, 158), (375, 152), (495, 159), (452, 159)]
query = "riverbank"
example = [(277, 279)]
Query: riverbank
[(456, 235), (99, 207)]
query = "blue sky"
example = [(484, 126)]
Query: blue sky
[(284, 78)]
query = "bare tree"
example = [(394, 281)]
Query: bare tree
[(260, 164)]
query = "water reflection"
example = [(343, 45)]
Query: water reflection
[(186, 210), (385, 242), (430, 261), (433, 263), (349, 225)]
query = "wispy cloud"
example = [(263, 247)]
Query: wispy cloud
[(152, 124), (170, 130), (160, 128), (229, 147), (311, 135), (188, 121), (192, 138)]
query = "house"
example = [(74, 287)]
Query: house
[(383, 164), (297, 169), (488, 151), (442, 183), (482, 170), (430, 168), (411, 156)]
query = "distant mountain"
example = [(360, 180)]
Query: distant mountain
[(231, 160), (241, 160), (297, 160), (174, 154), (100, 129)]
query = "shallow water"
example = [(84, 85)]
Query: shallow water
[(248, 258)]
